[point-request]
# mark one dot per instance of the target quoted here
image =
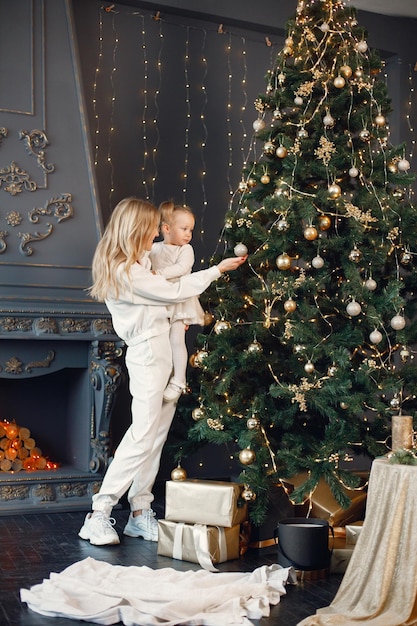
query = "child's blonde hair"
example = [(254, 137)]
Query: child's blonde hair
[(123, 241), (168, 210)]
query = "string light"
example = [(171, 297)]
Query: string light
[(144, 110), (204, 139), (188, 119), (156, 102), (96, 77), (112, 108)]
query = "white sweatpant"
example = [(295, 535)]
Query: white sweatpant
[(137, 458), (179, 351)]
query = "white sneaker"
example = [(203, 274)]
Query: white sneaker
[(173, 391), (98, 530), (144, 525)]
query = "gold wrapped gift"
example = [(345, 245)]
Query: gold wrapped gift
[(352, 532), (211, 502), (198, 543), (325, 506)]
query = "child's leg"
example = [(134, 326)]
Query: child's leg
[(179, 352)]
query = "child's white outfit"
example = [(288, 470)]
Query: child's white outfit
[(140, 316), (172, 262)]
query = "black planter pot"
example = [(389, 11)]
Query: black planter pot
[(303, 543)]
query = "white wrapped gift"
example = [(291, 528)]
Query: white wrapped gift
[(211, 502), (353, 531)]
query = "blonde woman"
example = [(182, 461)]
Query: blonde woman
[(138, 302), (174, 257)]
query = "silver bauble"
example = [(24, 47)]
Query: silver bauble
[(398, 322), (240, 249), (353, 308)]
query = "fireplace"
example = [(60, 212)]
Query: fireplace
[(62, 388)]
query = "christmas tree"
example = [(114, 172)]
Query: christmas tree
[(307, 354)]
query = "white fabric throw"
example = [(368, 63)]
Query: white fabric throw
[(107, 594)]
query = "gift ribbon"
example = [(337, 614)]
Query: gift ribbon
[(201, 545)]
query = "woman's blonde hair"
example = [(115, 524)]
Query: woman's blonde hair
[(131, 224)]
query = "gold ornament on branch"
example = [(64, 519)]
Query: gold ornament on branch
[(247, 456), (178, 473)]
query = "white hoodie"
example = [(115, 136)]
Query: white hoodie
[(140, 310)]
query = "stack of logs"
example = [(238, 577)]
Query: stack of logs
[(18, 450)]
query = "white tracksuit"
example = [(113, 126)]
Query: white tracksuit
[(140, 317)]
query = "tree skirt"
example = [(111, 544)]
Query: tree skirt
[(98, 592)]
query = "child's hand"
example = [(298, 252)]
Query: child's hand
[(231, 264)]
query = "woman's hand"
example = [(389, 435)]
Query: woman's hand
[(231, 264)]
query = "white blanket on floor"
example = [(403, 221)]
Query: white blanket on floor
[(98, 592)]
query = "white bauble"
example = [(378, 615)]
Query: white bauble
[(403, 165), (317, 262), (370, 284), (258, 125), (398, 322), (298, 100), (353, 308), (240, 249), (361, 46), (375, 337), (353, 172)]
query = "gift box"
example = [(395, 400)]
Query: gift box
[(353, 531), (198, 543), (210, 502), (324, 505)]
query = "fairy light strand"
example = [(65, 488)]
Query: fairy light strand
[(96, 78), (156, 103), (112, 107), (144, 109), (203, 142), (188, 118)]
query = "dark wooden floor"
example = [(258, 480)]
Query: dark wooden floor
[(32, 546)]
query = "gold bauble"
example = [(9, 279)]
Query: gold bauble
[(265, 179), (290, 305), (178, 473), (392, 167), (248, 495), (355, 255), (247, 456), (191, 360), (198, 413), (359, 73), (252, 423), (339, 82), (281, 152), (334, 191), (365, 135), (200, 356), (380, 120), (287, 51), (208, 318), (255, 347), (324, 222), (283, 262), (310, 233), (269, 148), (346, 71), (251, 182), (220, 326), (243, 187)]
